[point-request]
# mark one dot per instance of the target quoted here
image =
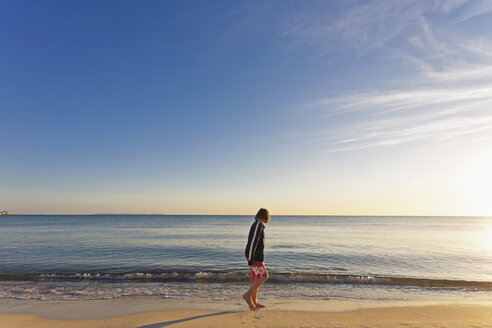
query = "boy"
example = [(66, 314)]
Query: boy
[(254, 256)]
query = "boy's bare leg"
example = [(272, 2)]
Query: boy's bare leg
[(253, 298), (253, 289), (255, 293)]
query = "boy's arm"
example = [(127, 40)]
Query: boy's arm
[(254, 242)]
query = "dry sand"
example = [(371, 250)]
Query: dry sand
[(476, 316)]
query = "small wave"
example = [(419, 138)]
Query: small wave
[(230, 277)]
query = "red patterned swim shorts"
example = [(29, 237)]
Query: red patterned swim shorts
[(258, 270)]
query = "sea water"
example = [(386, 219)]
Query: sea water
[(377, 259)]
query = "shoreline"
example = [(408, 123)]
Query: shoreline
[(96, 309), (115, 307), (479, 316)]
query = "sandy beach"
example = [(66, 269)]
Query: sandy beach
[(153, 313), (428, 316)]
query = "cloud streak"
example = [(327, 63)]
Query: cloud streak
[(371, 24), (394, 132), (393, 117), (449, 98)]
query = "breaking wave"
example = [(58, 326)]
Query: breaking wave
[(230, 277)]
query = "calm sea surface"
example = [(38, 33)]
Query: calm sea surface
[(322, 257)]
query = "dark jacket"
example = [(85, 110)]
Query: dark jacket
[(254, 248)]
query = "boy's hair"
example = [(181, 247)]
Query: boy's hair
[(263, 215)]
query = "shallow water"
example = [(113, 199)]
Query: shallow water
[(107, 256)]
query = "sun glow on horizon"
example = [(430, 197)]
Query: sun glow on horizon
[(478, 185)]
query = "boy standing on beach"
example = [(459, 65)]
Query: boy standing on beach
[(254, 255)]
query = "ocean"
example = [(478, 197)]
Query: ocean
[(373, 259)]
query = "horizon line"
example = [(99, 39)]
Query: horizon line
[(174, 214)]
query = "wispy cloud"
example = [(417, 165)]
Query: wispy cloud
[(370, 24), (363, 26), (450, 97), (396, 132), (450, 100), (393, 117)]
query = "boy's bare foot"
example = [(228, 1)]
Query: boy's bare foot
[(250, 303), (259, 306)]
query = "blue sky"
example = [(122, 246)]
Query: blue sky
[(220, 107)]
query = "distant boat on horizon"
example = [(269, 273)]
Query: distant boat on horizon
[(6, 213)]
